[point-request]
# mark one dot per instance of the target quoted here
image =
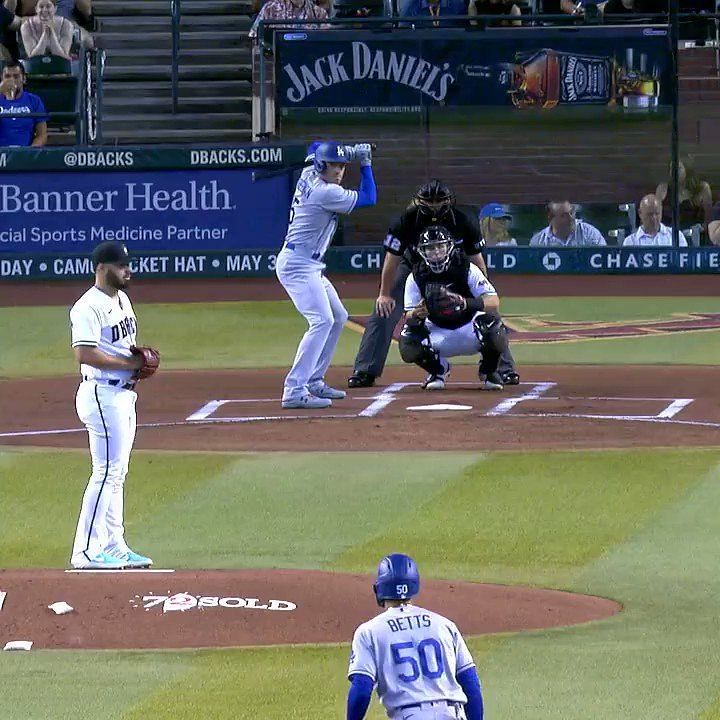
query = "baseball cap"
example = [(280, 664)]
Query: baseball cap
[(110, 251), (494, 210)]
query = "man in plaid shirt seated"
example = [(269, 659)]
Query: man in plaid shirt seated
[(290, 10), (564, 230)]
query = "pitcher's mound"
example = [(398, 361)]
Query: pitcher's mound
[(225, 608)]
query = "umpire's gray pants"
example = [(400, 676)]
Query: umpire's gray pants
[(375, 343)]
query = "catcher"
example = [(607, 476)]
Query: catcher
[(451, 309)]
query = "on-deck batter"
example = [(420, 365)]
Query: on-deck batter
[(318, 199), (104, 327), (416, 658)]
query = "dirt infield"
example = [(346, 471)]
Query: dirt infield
[(360, 286), (554, 407), (215, 608)]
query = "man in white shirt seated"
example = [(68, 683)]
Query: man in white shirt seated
[(652, 233), (564, 230)]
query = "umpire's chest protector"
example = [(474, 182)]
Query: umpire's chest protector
[(455, 279)]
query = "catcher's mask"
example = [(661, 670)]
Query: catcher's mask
[(434, 199), (436, 247)]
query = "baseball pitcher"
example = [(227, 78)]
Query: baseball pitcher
[(451, 309), (104, 327), (416, 659), (319, 197)]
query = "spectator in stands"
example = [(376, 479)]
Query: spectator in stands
[(564, 230), (495, 226), (431, 8), (80, 10), (694, 198), (45, 33), (714, 225), (652, 232), (633, 7), (20, 131), (9, 24), (494, 7), (290, 10)]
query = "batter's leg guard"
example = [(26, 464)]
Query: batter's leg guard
[(493, 341), (415, 348)]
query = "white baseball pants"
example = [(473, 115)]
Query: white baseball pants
[(448, 343), (430, 711), (318, 302), (109, 415)]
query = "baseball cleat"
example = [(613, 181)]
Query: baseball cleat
[(493, 382), (361, 379), (135, 560), (306, 402), (101, 561), (511, 378), (323, 390), (437, 382)]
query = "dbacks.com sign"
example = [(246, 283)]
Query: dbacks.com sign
[(364, 63)]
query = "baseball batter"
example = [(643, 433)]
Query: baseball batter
[(319, 197), (451, 309), (104, 329), (417, 659)]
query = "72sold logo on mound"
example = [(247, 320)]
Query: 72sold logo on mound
[(184, 601)]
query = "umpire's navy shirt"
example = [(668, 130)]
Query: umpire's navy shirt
[(20, 131)]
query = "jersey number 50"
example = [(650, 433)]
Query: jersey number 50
[(425, 660)]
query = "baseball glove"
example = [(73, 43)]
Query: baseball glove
[(443, 303), (151, 361)]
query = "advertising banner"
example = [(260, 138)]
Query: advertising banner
[(149, 158), (261, 262), (158, 211), (348, 72)]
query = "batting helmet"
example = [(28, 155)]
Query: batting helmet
[(329, 152), (434, 199), (397, 578)]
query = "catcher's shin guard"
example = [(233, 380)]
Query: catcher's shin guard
[(415, 348), (492, 335)]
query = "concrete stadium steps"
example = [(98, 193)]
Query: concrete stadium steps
[(214, 70)]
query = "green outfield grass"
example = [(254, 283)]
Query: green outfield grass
[(235, 335), (636, 525)]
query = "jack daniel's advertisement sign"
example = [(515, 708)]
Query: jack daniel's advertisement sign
[(360, 72)]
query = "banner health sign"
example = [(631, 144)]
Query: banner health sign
[(76, 199), (353, 72)]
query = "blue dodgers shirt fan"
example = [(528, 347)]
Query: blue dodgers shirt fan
[(18, 130)]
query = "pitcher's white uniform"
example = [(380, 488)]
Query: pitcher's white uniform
[(414, 656), (313, 220), (105, 403), (462, 340)]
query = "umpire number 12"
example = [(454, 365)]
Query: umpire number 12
[(418, 660)]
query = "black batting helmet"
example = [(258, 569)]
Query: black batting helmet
[(434, 199)]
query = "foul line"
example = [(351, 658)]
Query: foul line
[(624, 418), (508, 404), (382, 400), (115, 572)]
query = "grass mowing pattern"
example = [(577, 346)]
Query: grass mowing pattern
[(235, 335)]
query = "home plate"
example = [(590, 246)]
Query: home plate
[(440, 406)]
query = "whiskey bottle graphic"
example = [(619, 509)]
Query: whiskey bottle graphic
[(548, 78)]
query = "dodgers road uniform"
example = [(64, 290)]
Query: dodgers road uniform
[(105, 403), (414, 656)]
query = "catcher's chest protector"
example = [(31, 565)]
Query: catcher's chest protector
[(455, 279)]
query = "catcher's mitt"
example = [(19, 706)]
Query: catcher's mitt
[(441, 302), (151, 361)]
